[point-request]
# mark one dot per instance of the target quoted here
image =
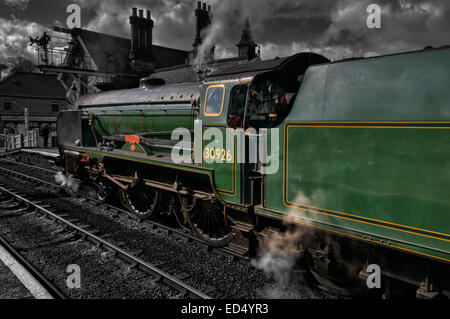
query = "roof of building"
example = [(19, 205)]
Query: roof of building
[(36, 85), (111, 53), (248, 67), (166, 57), (231, 68), (189, 73), (289, 66), (178, 74)]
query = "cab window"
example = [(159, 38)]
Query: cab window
[(215, 96), (238, 97), (269, 104)]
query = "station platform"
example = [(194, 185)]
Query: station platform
[(10, 286), (43, 152), (16, 282)]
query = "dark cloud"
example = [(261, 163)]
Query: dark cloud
[(406, 25), (18, 4), (336, 28), (14, 38), (174, 19)]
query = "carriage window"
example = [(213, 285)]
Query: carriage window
[(215, 96)]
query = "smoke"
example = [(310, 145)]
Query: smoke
[(19, 64), (16, 64), (3, 67), (278, 254), (227, 21), (276, 257), (281, 27), (67, 181)]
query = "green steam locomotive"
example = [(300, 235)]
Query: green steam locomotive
[(362, 148)]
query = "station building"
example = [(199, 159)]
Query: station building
[(42, 94), (93, 62)]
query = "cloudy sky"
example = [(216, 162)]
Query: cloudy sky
[(335, 28)]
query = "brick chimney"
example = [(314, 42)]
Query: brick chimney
[(141, 53), (203, 21), (247, 47)]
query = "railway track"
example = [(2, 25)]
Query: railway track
[(51, 290), (308, 287), (19, 204), (3, 160), (232, 252)]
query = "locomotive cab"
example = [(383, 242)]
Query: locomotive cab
[(257, 94), (246, 98)]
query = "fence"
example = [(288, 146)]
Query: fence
[(13, 142), (2, 142)]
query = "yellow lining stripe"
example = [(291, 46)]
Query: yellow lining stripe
[(234, 182), (349, 235), (377, 127), (372, 122), (151, 162), (206, 101), (368, 223), (291, 204)]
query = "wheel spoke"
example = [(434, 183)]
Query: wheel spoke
[(204, 220), (207, 222), (141, 201)]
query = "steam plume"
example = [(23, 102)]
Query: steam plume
[(277, 255), (67, 181)]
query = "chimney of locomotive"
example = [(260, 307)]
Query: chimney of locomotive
[(247, 47), (203, 21)]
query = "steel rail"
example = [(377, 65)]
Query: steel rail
[(161, 276), (31, 178), (28, 165), (180, 233)]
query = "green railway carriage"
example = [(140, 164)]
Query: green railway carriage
[(364, 160)]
